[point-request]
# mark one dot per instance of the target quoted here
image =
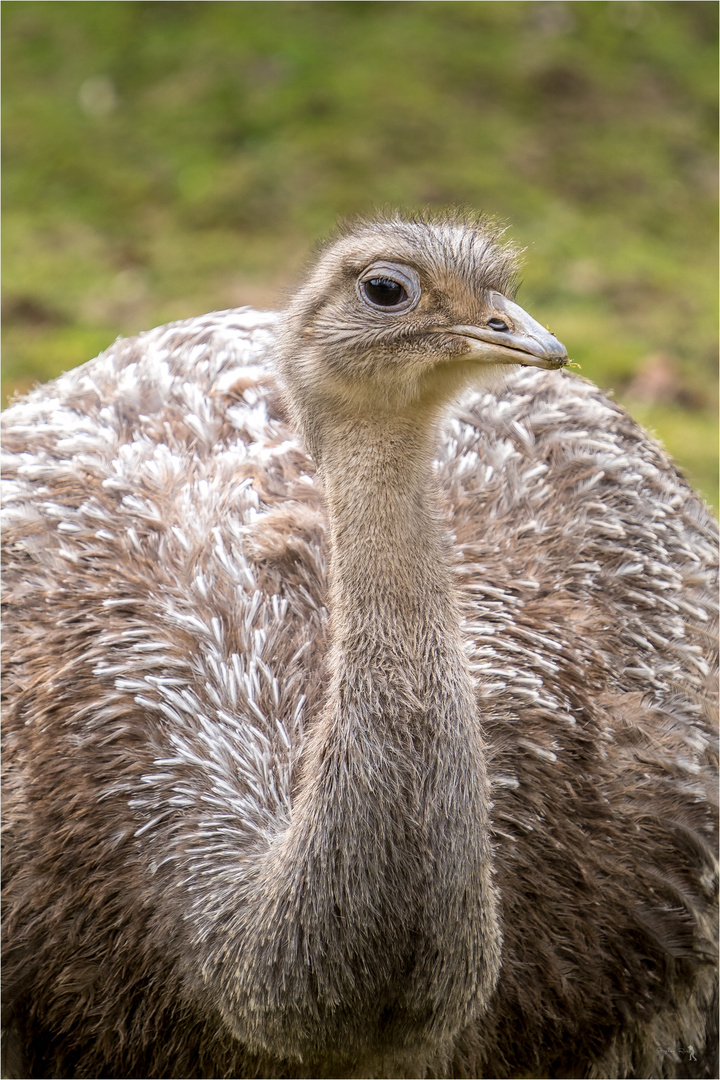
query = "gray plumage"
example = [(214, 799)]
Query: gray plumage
[(393, 760)]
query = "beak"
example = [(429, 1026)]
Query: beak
[(523, 342)]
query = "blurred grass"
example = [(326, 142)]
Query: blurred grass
[(164, 159)]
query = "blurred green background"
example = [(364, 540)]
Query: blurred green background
[(163, 159)]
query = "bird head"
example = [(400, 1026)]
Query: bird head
[(398, 316)]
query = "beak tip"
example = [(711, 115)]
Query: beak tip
[(555, 354)]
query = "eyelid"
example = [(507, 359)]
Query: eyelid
[(403, 275)]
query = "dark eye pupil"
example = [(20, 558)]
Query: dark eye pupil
[(497, 324), (384, 292)]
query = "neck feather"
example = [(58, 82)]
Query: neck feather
[(379, 893)]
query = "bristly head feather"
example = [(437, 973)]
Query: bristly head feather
[(460, 237)]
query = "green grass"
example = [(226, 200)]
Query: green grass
[(163, 159)]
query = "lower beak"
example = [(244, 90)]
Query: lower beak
[(524, 342)]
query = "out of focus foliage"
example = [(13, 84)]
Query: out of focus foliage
[(163, 159)]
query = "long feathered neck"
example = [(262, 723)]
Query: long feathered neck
[(374, 911)]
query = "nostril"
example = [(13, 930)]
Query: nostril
[(497, 324)]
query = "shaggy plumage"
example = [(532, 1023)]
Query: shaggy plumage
[(396, 760)]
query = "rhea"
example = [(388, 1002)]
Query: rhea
[(358, 696)]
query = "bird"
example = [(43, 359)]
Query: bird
[(359, 692)]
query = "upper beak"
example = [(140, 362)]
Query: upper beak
[(524, 342)]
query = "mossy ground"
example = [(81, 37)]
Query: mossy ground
[(163, 159)]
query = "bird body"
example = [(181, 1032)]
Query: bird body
[(356, 724)]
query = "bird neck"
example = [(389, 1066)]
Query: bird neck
[(379, 891), (389, 558)]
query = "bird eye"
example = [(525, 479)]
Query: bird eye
[(389, 287), (384, 292), (497, 324)]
